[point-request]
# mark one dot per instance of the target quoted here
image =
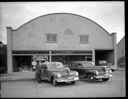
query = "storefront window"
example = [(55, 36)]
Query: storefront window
[(88, 57)]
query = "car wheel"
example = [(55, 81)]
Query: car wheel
[(91, 78), (112, 70), (105, 79), (73, 82)]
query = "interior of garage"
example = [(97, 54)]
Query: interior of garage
[(65, 59), (25, 61), (21, 62), (106, 55)]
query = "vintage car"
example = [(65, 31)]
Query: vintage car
[(91, 72), (55, 72), (109, 65)]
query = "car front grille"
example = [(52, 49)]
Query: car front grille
[(66, 75), (101, 73)]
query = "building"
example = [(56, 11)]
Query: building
[(61, 37), (121, 52), (3, 57)]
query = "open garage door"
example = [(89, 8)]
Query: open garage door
[(107, 55)]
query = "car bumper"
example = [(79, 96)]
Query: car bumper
[(113, 68), (103, 76), (69, 79)]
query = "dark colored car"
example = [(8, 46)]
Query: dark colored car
[(109, 65), (91, 72), (55, 72)]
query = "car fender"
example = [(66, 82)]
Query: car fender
[(87, 72), (53, 75)]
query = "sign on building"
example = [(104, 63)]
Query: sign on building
[(40, 57)]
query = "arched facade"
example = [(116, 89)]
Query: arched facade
[(61, 35)]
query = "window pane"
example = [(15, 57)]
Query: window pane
[(84, 38), (48, 37), (51, 37)]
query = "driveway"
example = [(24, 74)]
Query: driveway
[(115, 87)]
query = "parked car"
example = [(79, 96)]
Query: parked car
[(109, 65), (55, 72), (91, 72)]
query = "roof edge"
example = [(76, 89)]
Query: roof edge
[(63, 13)]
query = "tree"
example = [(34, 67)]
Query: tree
[(3, 57)]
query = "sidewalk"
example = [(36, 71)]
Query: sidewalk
[(18, 76), (120, 69)]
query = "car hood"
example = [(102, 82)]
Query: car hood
[(61, 70), (98, 68)]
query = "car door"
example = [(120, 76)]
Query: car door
[(73, 66), (80, 69), (45, 72)]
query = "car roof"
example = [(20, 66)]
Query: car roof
[(81, 61), (52, 62)]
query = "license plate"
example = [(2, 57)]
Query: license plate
[(105, 76), (100, 76), (71, 78)]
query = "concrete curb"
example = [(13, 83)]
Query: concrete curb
[(16, 79), (120, 69), (17, 76)]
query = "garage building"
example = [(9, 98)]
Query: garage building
[(63, 37)]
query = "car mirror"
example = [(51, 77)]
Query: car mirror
[(79, 66)]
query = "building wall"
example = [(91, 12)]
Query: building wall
[(121, 48), (121, 53), (32, 35), (68, 27)]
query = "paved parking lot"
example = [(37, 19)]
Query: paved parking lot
[(115, 87)]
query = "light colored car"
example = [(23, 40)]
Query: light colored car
[(55, 72)]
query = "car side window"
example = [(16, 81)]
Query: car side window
[(79, 65), (73, 65)]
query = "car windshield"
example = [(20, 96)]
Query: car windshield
[(88, 64), (55, 65)]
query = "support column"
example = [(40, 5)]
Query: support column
[(85, 58), (9, 50), (50, 57), (93, 56), (114, 47)]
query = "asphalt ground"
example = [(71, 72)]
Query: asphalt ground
[(29, 88)]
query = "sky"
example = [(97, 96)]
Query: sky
[(108, 14)]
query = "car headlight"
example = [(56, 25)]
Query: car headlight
[(97, 72), (34, 67), (58, 75), (77, 73), (110, 71)]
